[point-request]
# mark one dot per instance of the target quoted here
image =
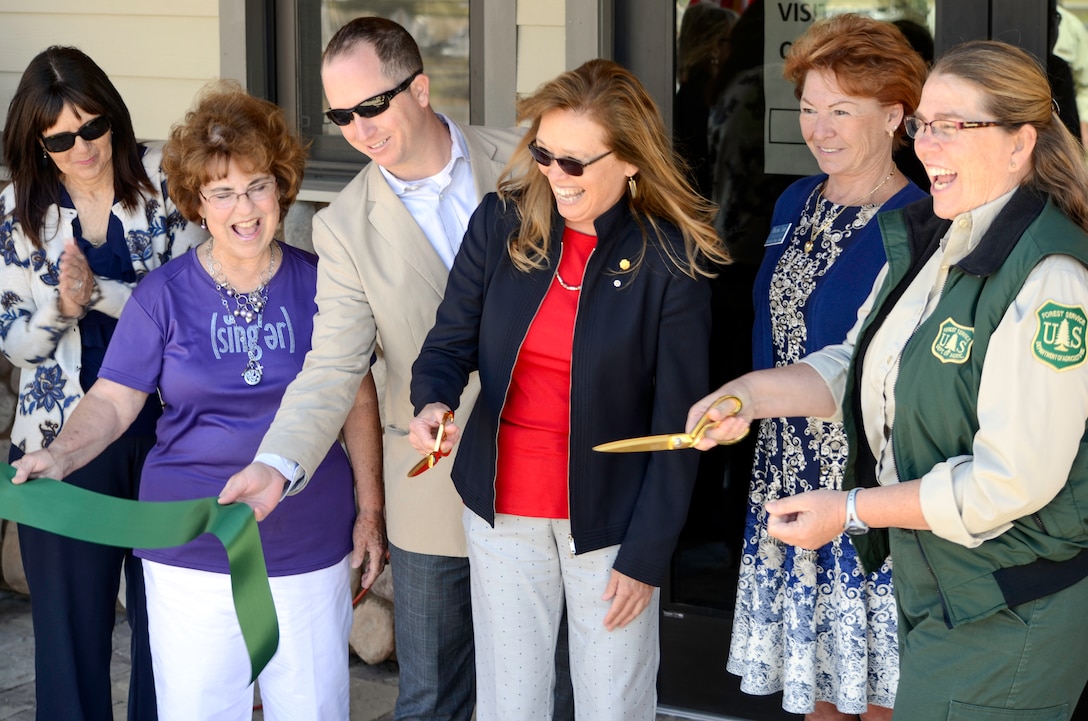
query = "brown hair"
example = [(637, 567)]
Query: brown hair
[(228, 124), (397, 50), (869, 59), (56, 77), (614, 99), (1015, 91)]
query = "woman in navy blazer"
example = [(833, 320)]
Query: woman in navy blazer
[(579, 294)]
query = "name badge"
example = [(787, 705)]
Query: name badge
[(778, 235)]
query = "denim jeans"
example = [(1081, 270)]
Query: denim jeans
[(432, 614)]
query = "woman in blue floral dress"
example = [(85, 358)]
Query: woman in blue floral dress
[(85, 217), (810, 623)]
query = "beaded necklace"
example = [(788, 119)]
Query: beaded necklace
[(816, 230), (248, 307)]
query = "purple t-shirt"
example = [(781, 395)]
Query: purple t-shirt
[(172, 338)]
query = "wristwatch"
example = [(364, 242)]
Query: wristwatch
[(854, 526)]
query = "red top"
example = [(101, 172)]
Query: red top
[(534, 427)]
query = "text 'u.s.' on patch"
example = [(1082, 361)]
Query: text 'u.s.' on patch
[(953, 342), (1059, 340)]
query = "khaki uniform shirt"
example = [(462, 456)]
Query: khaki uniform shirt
[(1027, 439)]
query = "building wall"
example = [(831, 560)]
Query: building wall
[(541, 42), (158, 53)]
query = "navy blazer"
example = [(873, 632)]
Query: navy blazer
[(639, 360)]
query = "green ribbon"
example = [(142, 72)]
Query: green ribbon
[(75, 512)]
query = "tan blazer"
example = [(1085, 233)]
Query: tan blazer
[(379, 284)]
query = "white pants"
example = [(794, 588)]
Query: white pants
[(200, 660), (522, 572)]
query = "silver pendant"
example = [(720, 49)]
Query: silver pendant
[(253, 372)]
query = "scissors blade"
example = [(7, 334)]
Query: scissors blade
[(664, 442), (423, 465), (431, 458)]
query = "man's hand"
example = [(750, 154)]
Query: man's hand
[(259, 486), (369, 545), (629, 598)]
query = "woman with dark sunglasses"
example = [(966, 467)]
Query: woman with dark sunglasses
[(86, 216), (580, 296)]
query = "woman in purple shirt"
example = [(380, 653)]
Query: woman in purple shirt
[(218, 334)]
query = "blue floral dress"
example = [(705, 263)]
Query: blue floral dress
[(810, 623)]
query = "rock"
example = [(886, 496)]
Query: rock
[(10, 561), (298, 225), (383, 585), (372, 630), (7, 411), (355, 576)]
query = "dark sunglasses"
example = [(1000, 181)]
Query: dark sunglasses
[(92, 130), (570, 166), (370, 107)]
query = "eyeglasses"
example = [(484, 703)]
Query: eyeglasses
[(570, 166), (370, 107), (258, 192), (91, 130), (944, 130)]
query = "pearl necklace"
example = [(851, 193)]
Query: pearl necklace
[(248, 306), (565, 285), (825, 224)]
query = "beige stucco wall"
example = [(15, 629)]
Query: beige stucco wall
[(158, 53), (541, 42)]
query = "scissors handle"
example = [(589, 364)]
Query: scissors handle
[(704, 423), (440, 434), (431, 458)]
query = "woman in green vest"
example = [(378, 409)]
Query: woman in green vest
[(964, 391)]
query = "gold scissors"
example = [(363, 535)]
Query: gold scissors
[(431, 458), (673, 441)]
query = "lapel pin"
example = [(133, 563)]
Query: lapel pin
[(625, 264)]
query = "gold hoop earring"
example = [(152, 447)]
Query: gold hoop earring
[(632, 186)]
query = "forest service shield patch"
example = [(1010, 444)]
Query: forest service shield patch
[(953, 342), (1059, 340)]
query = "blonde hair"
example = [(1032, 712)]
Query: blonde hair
[(615, 99), (1015, 91)]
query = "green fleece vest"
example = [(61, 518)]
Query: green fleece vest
[(937, 393)]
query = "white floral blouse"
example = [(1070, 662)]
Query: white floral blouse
[(34, 336)]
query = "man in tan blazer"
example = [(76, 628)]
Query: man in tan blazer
[(386, 244)]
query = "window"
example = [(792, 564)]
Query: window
[(440, 28), (284, 64)]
